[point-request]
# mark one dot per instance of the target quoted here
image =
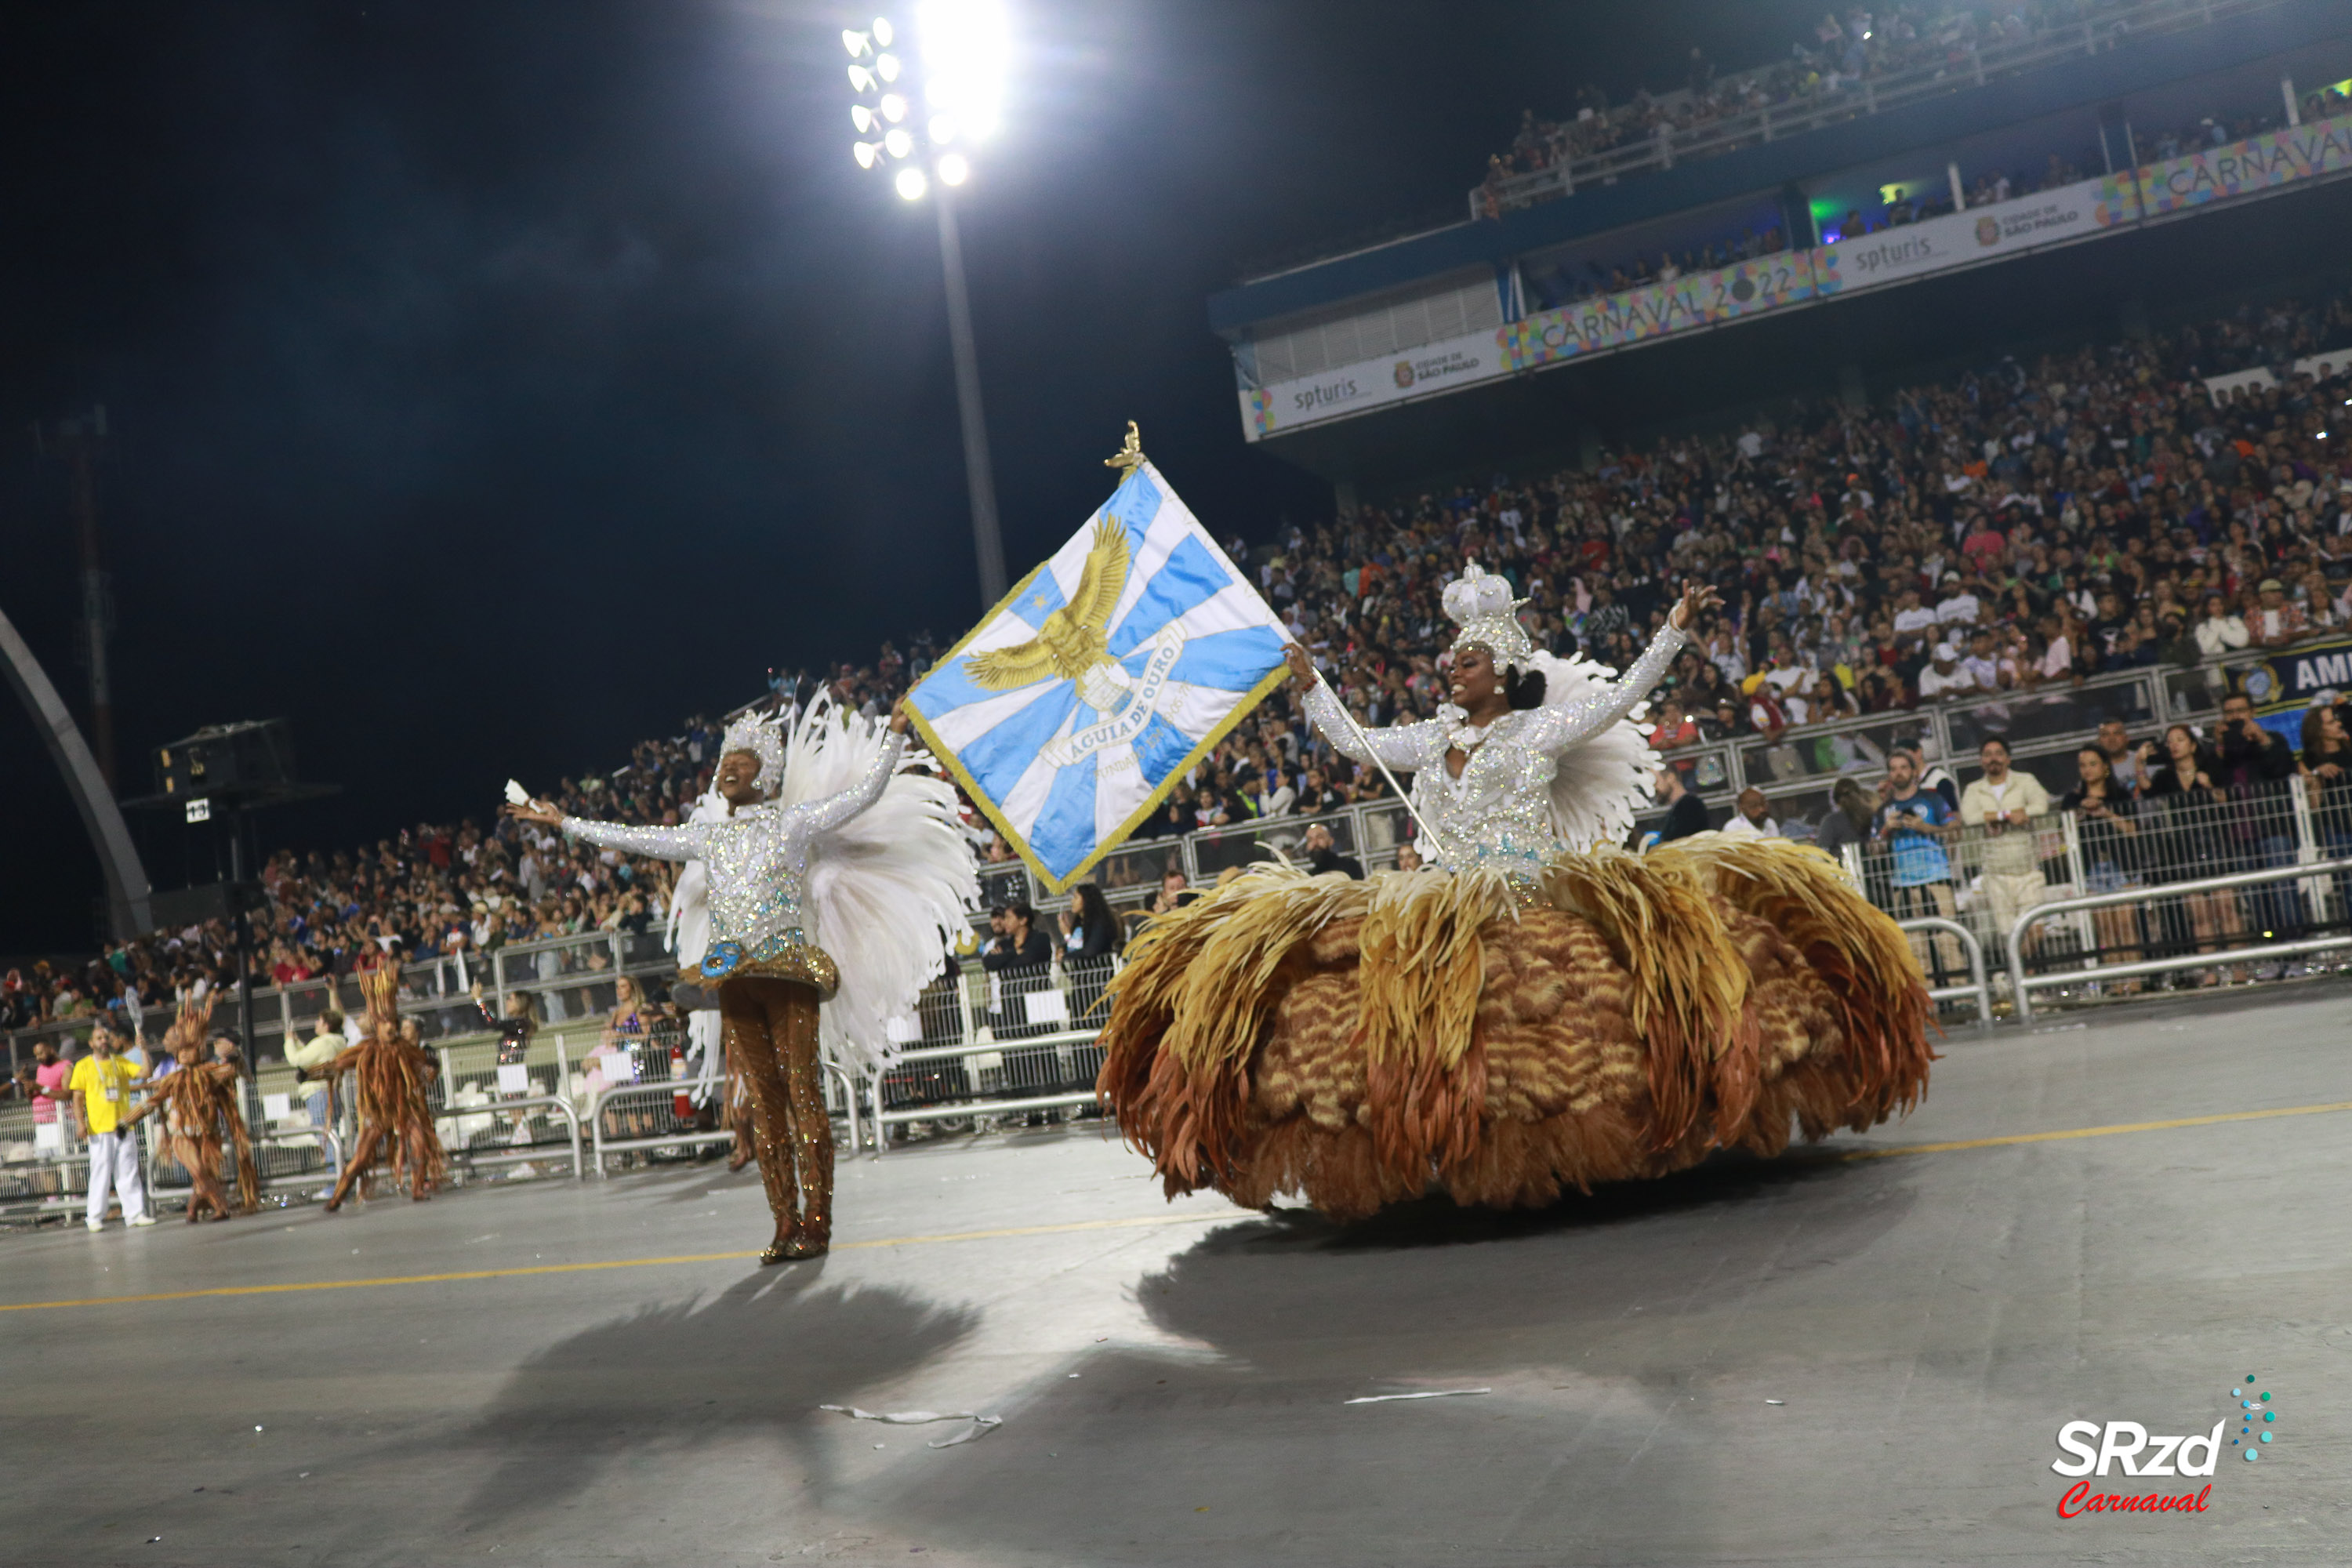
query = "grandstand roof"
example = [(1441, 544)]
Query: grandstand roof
[(2137, 67)]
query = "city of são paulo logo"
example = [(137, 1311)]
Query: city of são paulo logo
[(2092, 1448)]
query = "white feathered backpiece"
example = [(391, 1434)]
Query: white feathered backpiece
[(1603, 779), (689, 939), (887, 888)]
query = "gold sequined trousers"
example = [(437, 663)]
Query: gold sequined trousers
[(770, 1029)]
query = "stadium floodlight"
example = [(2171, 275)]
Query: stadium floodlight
[(962, 51), (966, 47)]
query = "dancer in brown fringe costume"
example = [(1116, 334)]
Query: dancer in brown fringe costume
[(395, 1075), (197, 1099), (1525, 1017)]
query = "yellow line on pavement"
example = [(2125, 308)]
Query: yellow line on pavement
[(1133, 1222), (1128, 1224), (1891, 1150)]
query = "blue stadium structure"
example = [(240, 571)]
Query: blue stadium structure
[(2024, 186)]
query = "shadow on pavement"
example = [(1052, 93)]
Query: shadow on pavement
[(760, 1357), (1592, 1322)]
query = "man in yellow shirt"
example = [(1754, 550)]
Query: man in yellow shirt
[(100, 1087)]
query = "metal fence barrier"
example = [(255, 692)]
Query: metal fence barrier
[(616, 1127), (1976, 987), (2132, 898), (985, 1078), (1960, 65)]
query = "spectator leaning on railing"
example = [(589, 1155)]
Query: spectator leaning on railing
[(1913, 824), (2006, 804)]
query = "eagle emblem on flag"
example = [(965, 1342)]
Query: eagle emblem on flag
[(1075, 707)]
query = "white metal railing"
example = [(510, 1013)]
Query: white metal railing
[(1052, 1060), (616, 1099), (1965, 66), (1976, 988), (571, 976), (1801, 763), (2025, 982)]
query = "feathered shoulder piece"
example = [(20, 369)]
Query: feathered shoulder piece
[(1604, 779), (889, 887)]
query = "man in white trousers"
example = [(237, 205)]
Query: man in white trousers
[(101, 1101)]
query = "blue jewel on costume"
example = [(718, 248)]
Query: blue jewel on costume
[(720, 961)]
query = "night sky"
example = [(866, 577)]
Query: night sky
[(494, 383)]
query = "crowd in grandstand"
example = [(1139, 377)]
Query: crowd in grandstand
[(1845, 51), (2024, 525)]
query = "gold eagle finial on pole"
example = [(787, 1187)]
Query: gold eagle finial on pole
[(1130, 455)]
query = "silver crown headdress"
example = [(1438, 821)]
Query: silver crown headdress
[(1480, 603), (763, 737)]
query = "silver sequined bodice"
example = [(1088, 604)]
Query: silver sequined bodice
[(759, 857), (1498, 813)]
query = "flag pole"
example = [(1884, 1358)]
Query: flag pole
[(1427, 832)]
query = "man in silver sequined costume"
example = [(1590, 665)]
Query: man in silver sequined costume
[(763, 958)]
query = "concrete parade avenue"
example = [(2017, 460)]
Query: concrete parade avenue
[(1859, 1354)]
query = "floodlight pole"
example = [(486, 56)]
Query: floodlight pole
[(987, 542)]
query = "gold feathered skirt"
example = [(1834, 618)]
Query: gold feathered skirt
[(1359, 1043)]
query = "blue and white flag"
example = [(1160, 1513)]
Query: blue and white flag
[(1100, 681)]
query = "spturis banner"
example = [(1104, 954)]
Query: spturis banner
[(1080, 700)]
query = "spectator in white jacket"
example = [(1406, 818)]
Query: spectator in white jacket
[(2005, 804), (2220, 632)]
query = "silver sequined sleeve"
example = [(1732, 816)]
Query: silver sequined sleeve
[(1408, 746), (818, 815), (1556, 728), (683, 842)]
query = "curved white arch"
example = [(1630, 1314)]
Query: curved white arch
[(129, 913)]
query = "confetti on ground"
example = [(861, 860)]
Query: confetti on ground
[(1431, 1393), (981, 1425)]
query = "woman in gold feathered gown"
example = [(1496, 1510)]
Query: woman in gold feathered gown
[(1536, 1011)]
